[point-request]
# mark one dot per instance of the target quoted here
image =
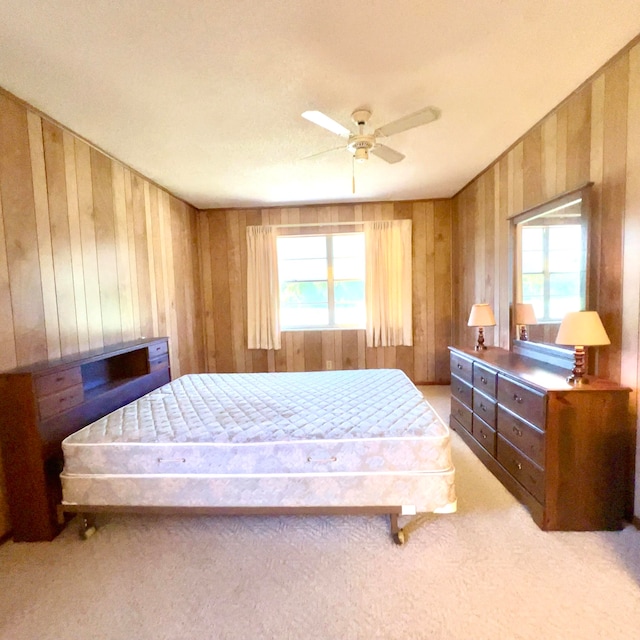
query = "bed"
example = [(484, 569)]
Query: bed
[(363, 441)]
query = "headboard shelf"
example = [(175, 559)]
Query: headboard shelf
[(42, 404)]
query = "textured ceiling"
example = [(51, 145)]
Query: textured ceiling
[(205, 98)]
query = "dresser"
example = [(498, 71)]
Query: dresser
[(566, 452), (42, 404)]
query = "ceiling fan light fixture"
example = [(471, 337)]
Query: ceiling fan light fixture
[(361, 154)]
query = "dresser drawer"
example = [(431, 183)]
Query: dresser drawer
[(461, 413), (58, 402), (523, 401), (161, 362), (485, 408), (461, 390), (54, 382), (527, 473), (484, 434), (157, 349), (522, 435), (462, 367), (485, 379)]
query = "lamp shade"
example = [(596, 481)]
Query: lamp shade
[(525, 313), (582, 328), (481, 316)]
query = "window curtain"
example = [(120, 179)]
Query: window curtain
[(263, 293), (388, 283)]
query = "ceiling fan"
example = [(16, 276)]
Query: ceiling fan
[(360, 144)]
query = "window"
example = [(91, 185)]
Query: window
[(552, 269), (322, 281)]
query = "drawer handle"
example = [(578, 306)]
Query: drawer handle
[(483, 380), (517, 398), (518, 464), (459, 366), (483, 407), (483, 434), (322, 460), (517, 431)]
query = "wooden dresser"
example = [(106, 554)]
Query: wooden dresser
[(565, 452), (42, 404)]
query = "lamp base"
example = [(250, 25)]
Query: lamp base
[(577, 381), (480, 344), (577, 373)]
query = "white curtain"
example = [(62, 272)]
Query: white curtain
[(388, 283), (263, 293)]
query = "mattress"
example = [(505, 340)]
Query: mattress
[(262, 438)]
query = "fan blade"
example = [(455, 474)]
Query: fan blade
[(417, 119), (326, 122), (321, 153), (387, 153)]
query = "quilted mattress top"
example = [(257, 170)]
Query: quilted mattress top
[(271, 407)]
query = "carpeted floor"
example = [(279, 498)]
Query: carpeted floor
[(486, 572)]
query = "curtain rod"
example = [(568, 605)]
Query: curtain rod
[(317, 224)]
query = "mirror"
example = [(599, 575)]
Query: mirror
[(549, 272)]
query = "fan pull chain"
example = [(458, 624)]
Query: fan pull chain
[(353, 174)]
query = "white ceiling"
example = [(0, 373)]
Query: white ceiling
[(205, 97)]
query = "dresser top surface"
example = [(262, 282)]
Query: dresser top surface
[(535, 372)]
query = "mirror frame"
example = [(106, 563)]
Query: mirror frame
[(552, 354)]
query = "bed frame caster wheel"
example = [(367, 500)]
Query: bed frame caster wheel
[(399, 537), (87, 527)]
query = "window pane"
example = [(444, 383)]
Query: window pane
[(563, 260), (532, 239), (532, 261), (559, 307), (349, 303), (291, 248), (348, 268), (348, 245), (564, 236), (304, 304), (312, 269), (564, 285), (532, 286)]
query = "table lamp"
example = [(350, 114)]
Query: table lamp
[(525, 315), (581, 329), (481, 316)]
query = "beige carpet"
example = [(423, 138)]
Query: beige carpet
[(484, 572)]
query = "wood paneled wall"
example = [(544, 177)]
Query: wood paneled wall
[(223, 253), (91, 253), (594, 135)]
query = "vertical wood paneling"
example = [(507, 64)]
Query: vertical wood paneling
[(613, 205), (20, 230), (106, 247), (75, 238), (45, 248), (60, 237), (594, 135), (222, 246), (8, 357), (76, 252), (89, 248)]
